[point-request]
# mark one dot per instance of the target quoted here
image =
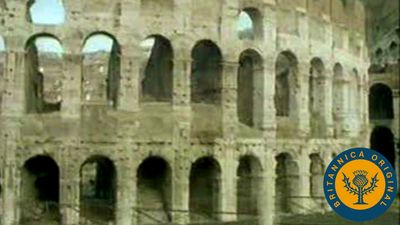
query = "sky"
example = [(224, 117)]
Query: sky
[(2, 45), (244, 22)]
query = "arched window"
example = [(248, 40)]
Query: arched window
[(250, 79), (101, 70), (285, 84), (206, 73), (157, 70), (44, 74), (98, 189), (250, 24), (46, 12), (380, 102), (317, 98)]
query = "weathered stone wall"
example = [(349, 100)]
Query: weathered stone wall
[(181, 132)]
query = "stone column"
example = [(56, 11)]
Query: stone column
[(229, 99), (228, 186), (71, 87), (181, 100), (10, 170), (126, 193), (396, 130), (129, 82), (302, 114), (269, 113), (303, 192), (267, 193), (69, 189), (342, 123), (13, 98), (181, 140), (180, 191), (327, 114)]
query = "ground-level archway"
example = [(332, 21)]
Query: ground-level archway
[(40, 182), (248, 188), (286, 184), (98, 189), (382, 140), (154, 191), (204, 195)]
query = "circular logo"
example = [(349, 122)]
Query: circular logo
[(360, 184)]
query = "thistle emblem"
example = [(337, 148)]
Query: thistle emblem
[(360, 181)]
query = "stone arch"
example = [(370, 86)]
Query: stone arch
[(286, 84), (317, 170), (317, 98), (248, 188), (380, 102), (205, 187), (157, 73), (382, 140), (154, 188), (250, 24), (101, 69), (40, 185), (43, 74), (98, 188), (286, 184), (157, 8), (250, 80), (46, 12), (339, 94), (206, 74)]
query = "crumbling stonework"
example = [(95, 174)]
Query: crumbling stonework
[(229, 130)]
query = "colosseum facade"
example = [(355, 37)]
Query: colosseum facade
[(184, 119)]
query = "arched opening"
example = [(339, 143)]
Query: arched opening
[(394, 50), (317, 98), (157, 72), (101, 70), (250, 77), (44, 74), (40, 190), (286, 184), (250, 24), (317, 170), (285, 84), (338, 97), (46, 12), (98, 186), (204, 190), (154, 191), (206, 74), (248, 188), (382, 140), (380, 102)]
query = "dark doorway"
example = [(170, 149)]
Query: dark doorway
[(382, 140)]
